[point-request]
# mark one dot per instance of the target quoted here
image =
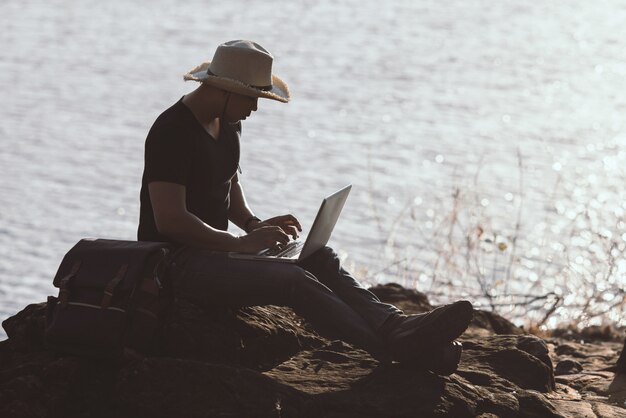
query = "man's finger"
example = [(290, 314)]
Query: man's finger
[(291, 220), (291, 230), (283, 221), (280, 236)]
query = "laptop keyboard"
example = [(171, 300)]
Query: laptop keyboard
[(290, 250)]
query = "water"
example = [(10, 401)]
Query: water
[(485, 140)]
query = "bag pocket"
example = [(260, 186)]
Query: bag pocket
[(85, 329)]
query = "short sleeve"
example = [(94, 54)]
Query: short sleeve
[(168, 154)]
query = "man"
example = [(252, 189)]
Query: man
[(191, 189)]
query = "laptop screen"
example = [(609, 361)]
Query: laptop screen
[(325, 221)]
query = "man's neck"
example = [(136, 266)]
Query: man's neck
[(206, 108)]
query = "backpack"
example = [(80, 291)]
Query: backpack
[(112, 297)]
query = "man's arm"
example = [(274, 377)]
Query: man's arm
[(174, 221), (239, 212)]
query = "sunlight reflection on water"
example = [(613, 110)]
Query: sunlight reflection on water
[(485, 140)]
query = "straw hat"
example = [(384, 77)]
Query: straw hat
[(242, 67)]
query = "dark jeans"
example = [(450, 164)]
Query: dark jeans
[(318, 289)]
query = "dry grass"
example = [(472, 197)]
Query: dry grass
[(541, 282)]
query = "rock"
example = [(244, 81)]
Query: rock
[(590, 333), (267, 362), (25, 329), (165, 387), (412, 301), (258, 337), (568, 350), (567, 366), (507, 362), (409, 300), (494, 323), (620, 364)]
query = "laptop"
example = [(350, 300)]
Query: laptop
[(318, 237)]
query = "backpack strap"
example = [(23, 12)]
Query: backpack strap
[(110, 287), (64, 284)]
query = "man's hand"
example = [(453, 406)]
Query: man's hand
[(287, 223), (262, 238)]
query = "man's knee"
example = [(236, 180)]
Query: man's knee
[(325, 256), (328, 252)]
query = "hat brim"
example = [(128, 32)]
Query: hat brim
[(279, 90)]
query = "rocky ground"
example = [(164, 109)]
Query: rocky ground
[(265, 362)]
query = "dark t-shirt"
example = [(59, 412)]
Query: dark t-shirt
[(179, 150)]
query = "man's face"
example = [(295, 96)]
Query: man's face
[(239, 107)]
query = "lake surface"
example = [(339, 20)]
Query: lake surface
[(485, 140)]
